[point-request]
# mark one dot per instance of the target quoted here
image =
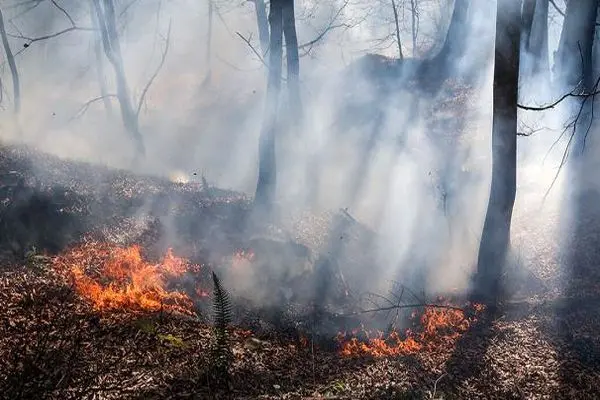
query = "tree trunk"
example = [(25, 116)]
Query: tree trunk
[(414, 28), (573, 64), (209, 29), (267, 176), (112, 49), (12, 65), (293, 63), (495, 239), (573, 59), (263, 25), (398, 42), (455, 42), (100, 62), (537, 42)]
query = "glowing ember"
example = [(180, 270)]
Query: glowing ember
[(118, 278), (441, 327), (242, 258)]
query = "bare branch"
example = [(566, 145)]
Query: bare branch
[(55, 3), (156, 72), (400, 306), (49, 36), (256, 52), (557, 8), (87, 105)]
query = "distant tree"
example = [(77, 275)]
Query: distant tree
[(573, 63), (535, 39), (293, 62), (267, 174), (495, 239), (105, 13), (10, 58), (100, 61)]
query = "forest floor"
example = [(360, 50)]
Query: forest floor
[(56, 343)]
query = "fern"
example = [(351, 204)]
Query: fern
[(222, 355)]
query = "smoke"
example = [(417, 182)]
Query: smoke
[(412, 168)]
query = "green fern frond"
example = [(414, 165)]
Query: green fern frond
[(222, 310)]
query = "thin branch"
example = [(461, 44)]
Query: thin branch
[(158, 68), (557, 8), (55, 3), (395, 307), (50, 36), (557, 102), (256, 52), (87, 105)]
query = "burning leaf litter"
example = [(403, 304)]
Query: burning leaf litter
[(117, 278)]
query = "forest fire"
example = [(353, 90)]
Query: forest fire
[(115, 278), (439, 328)]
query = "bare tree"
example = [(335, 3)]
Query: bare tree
[(495, 239), (293, 62), (10, 58), (105, 13), (397, 23), (263, 25), (267, 174), (100, 61), (573, 60), (414, 12)]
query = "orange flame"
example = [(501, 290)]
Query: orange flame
[(123, 279), (440, 328)]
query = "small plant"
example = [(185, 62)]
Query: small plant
[(222, 354)]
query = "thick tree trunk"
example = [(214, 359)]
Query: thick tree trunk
[(12, 65), (573, 63), (495, 239), (100, 62), (267, 174), (112, 49), (293, 63), (455, 42), (263, 25)]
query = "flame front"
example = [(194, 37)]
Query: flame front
[(440, 328), (119, 278)]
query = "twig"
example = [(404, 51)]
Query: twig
[(256, 52), (401, 306), (153, 77), (55, 3), (50, 36), (87, 104)]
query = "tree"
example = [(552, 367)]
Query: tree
[(267, 175), (535, 38), (105, 12), (573, 63), (293, 63), (263, 25), (100, 61), (10, 58), (495, 239)]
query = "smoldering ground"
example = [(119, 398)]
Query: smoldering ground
[(412, 168)]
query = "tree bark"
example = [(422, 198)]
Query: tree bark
[(10, 58), (267, 175), (495, 239), (293, 63), (112, 49)]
